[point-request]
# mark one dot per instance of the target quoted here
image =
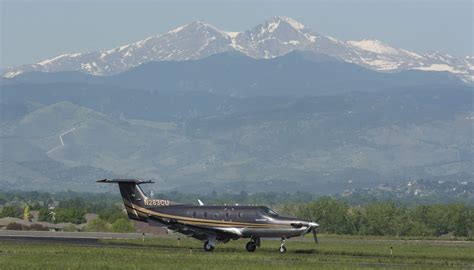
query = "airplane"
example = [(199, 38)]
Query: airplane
[(211, 224)]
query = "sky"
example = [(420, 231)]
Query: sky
[(32, 31)]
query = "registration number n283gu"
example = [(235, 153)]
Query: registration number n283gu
[(153, 202)]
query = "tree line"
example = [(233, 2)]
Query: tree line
[(335, 215), (385, 218)]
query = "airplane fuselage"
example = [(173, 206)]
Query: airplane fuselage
[(210, 223), (245, 221)]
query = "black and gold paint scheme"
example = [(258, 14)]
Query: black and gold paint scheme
[(203, 222)]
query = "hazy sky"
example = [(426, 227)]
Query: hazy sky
[(35, 30)]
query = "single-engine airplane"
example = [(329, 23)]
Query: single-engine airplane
[(211, 224)]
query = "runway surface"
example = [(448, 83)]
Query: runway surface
[(331, 257), (86, 238), (94, 237)]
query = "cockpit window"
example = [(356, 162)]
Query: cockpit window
[(270, 212)]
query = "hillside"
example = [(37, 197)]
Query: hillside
[(64, 132)]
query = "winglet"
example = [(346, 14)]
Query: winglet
[(200, 202)]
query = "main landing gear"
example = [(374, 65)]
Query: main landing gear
[(210, 243), (253, 244), (251, 247), (208, 247), (282, 246)]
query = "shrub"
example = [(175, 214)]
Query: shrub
[(14, 226), (69, 228), (37, 227), (97, 225), (122, 225)]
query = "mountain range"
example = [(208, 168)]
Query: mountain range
[(274, 38), (229, 122)]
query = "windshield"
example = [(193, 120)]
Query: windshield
[(270, 212)]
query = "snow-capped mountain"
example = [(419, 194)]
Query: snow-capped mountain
[(273, 38)]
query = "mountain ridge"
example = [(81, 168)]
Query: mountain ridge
[(309, 143), (273, 38), (295, 73)]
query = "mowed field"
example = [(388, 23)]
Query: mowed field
[(333, 252)]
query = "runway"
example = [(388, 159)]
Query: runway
[(81, 238), (73, 247)]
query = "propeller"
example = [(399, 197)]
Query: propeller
[(315, 236), (314, 226)]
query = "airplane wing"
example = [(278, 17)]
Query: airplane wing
[(198, 232)]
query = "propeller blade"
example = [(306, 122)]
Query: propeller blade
[(315, 236)]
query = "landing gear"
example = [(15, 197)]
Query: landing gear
[(208, 247), (253, 244), (282, 246)]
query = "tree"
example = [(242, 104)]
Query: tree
[(330, 213), (10, 211), (26, 213), (73, 215), (122, 225), (111, 214), (44, 215), (381, 219), (97, 225)]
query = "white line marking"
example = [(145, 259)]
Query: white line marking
[(61, 139)]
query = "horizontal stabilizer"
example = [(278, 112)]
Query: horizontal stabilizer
[(131, 181)]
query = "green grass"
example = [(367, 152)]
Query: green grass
[(165, 253)]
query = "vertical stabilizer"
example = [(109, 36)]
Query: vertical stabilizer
[(133, 197)]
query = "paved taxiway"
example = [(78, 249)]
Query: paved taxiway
[(80, 238)]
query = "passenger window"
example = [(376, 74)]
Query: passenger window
[(227, 215), (204, 215), (194, 214), (216, 215), (240, 215)]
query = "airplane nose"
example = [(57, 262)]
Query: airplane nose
[(313, 224)]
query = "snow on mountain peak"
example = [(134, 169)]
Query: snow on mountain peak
[(295, 24), (176, 30), (373, 45), (231, 34), (50, 61), (275, 37), (273, 24), (200, 25)]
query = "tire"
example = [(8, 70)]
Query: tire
[(208, 247), (251, 247), (282, 249)]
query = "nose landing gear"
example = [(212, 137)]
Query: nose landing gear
[(282, 246)]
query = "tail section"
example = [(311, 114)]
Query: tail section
[(133, 197)]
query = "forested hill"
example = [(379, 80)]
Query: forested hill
[(229, 122)]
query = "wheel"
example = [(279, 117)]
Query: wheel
[(208, 247), (251, 246), (282, 249)]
